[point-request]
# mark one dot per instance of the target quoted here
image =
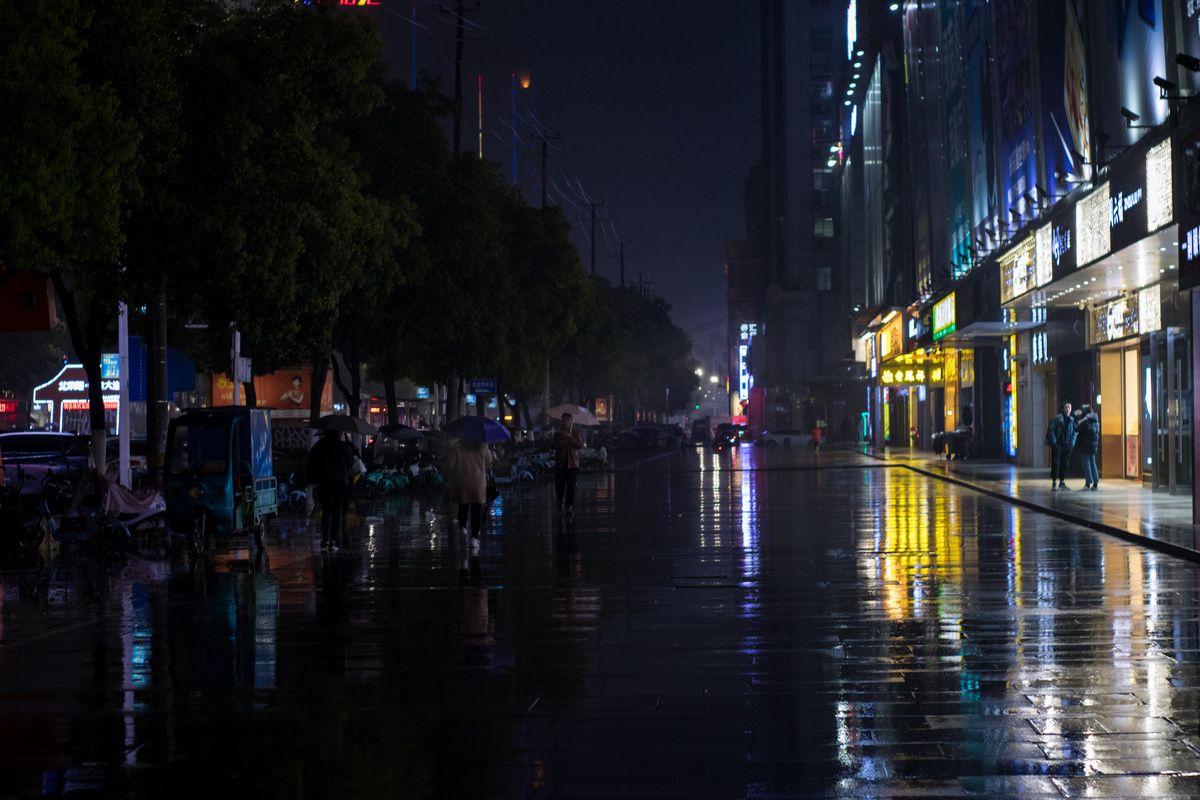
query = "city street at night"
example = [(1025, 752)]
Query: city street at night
[(761, 623)]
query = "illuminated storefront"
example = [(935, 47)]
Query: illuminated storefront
[(1114, 329)]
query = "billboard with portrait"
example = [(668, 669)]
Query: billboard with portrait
[(1066, 129)]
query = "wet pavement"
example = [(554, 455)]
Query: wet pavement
[(755, 624)]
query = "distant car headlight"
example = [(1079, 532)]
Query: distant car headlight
[(196, 492)]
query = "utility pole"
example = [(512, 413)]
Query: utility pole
[(593, 206), (459, 42), (621, 243), (544, 135)]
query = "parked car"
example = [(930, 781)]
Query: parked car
[(41, 453), (783, 436), (702, 431), (45, 448)]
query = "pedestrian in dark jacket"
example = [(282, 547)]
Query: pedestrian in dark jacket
[(1087, 442), (1060, 435), (328, 468)]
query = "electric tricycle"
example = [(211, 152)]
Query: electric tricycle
[(218, 477)]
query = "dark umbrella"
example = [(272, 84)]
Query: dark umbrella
[(344, 424), (401, 433), (478, 429)]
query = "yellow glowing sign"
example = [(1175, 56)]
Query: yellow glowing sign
[(908, 371)]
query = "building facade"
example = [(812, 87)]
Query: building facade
[(1049, 243)]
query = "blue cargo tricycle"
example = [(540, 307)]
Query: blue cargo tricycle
[(218, 475)]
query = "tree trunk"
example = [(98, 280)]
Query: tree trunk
[(452, 396), (320, 369), (87, 337), (158, 391)]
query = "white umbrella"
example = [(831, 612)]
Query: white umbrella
[(579, 414)]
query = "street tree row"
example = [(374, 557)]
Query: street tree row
[(255, 169)]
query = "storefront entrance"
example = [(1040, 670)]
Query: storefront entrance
[(1167, 406), (1118, 405)]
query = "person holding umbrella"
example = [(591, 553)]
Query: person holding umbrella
[(328, 469), (466, 465), (566, 444)]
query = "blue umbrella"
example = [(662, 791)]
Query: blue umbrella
[(478, 429)]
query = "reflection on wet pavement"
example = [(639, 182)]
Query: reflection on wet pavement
[(745, 624)]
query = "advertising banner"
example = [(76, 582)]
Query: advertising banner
[(927, 131), (1063, 77), (1126, 51), (956, 135), (288, 393), (981, 119), (1015, 79)]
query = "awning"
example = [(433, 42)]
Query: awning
[(1143, 263)]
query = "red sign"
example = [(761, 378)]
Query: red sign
[(8, 406)]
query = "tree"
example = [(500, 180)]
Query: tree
[(273, 225), (79, 75)]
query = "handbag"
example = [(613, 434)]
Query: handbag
[(358, 467)]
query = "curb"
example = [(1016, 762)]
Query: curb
[(1179, 551)]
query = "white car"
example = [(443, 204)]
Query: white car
[(783, 436)]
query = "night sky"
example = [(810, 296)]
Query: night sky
[(656, 105)]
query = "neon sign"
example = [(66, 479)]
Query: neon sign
[(943, 317)]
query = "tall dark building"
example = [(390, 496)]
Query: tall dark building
[(803, 335)]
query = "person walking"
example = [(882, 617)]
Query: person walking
[(466, 465), (1087, 442), (328, 469), (566, 443), (1060, 435)]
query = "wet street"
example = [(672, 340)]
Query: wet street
[(761, 624)]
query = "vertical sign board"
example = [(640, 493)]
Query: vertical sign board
[(1127, 206), (943, 317), (1189, 250), (1056, 246)]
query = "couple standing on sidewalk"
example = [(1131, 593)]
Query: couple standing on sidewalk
[(1066, 433)]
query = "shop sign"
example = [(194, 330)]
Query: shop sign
[(1115, 320), (68, 391), (909, 374), (891, 338), (1018, 270), (1093, 226), (1127, 206), (422, 392), (1160, 205), (1189, 251), (1150, 309), (943, 317), (1055, 249)]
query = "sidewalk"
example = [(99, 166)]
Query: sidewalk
[(1120, 508)]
